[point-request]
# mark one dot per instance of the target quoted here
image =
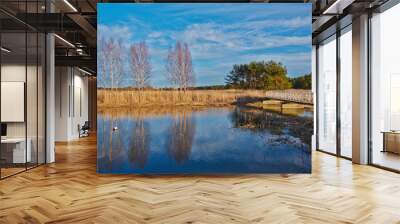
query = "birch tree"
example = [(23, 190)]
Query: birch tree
[(101, 59), (140, 64), (113, 62), (179, 67)]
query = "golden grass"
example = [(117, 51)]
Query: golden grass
[(128, 97)]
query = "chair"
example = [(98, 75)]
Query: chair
[(84, 130)]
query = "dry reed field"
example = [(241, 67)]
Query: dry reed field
[(127, 97), (144, 98)]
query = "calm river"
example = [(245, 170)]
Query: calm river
[(184, 140)]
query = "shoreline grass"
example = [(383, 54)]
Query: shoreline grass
[(117, 98), (151, 98)]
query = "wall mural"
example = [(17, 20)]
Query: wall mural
[(204, 88)]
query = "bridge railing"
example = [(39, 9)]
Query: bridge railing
[(292, 95)]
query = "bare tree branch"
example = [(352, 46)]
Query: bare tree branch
[(111, 62), (140, 64), (179, 67), (102, 76)]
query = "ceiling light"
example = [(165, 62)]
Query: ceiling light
[(79, 51), (70, 5), (5, 50), (65, 41), (331, 7), (337, 7), (84, 71)]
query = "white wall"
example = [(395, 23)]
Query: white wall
[(80, 94), (70, 84), (13, 72), (62, 82)]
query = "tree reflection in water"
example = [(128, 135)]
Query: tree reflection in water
[(131, 140), (169, 136), (139, 149), (281, 127), (180, 136), (109, 141)]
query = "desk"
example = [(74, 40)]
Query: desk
[(18, 149), (391, 141)]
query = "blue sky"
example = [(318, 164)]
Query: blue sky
[(219, 35)]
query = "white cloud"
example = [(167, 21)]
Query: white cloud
[(263, 24), (117, 32), (212, 41), (155, 34)]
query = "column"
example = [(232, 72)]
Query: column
[(50, 92), (360, 90)]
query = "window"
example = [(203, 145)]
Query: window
[(385, 89), (346, 92), (327, 95), (23, 89)]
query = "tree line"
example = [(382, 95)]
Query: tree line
[(267, 75), (302, 82), (179, 69)]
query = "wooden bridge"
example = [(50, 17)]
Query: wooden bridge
[(280, 97), (291, 96)]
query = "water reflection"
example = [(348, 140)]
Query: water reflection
[(139, 148), (203, 140), (296, 125), (131, 140), (180, 137)]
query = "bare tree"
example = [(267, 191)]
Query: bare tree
[(119, 64), (189, 78), (140, 64), (101, 59), (172, 68), (140, 147), (180, 137), (180, 72), (112, 63)]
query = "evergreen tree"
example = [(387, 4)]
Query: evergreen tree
[(302, 82), (259, 75)]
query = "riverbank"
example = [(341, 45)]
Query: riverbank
[(126, 97), (145, 98)]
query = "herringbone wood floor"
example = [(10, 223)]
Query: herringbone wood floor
[(70, 191)]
